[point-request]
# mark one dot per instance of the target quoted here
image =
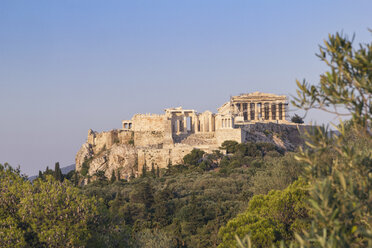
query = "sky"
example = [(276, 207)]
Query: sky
[(70, 66)]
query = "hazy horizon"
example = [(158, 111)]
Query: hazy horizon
[(70, 66)]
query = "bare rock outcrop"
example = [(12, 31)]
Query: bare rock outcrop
[(107, 151)]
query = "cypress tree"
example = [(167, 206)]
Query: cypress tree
[(153, 169), (169, 165), (118, 175), (40, 174), (57, 172), (113, 177), (144, 169), (157, 171), (76, 178)]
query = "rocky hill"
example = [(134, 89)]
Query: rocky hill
[(117, 150)]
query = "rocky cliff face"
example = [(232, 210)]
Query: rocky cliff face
[(287, 137), (108, 151), (126, 152)]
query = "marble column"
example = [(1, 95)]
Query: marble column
[(196, 124), (210, 123), (185, 124), (255, 112), (270, 113), (277, 111), (236, 110), (249, 111)]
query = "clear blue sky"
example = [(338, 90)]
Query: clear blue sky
[(67, 66)]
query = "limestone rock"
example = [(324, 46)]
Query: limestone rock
[(85, 153)]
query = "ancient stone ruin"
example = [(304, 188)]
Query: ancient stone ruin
[(160, 140)]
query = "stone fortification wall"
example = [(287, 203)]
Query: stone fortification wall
[(228, 134), (149, 139), (151, 130), (149, 123), (105, 140), (195, 139), (162, 157)]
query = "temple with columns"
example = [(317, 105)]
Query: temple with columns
[(244, 109)]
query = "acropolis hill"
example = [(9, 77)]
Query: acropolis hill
[(160, 140)]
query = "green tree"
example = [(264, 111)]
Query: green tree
[(154, 239), (144, 170), (143, 194), (194, 157), (339, 167), (47, 213), (57, 172), (297, 119), (57, 212), (157, 172), (100, 175), (118, 175), (153, 172), (113, 177), (12, 229), (85, 167), (229, 146), (270, 218)]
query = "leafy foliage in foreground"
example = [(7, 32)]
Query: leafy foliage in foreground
[(270, 218), (47, 213), (339, 167)]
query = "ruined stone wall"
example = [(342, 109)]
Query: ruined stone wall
[(153, 139), (228, 134), (125, 137), (105, 140), (149, 122), (162, 157), (151, 130)]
